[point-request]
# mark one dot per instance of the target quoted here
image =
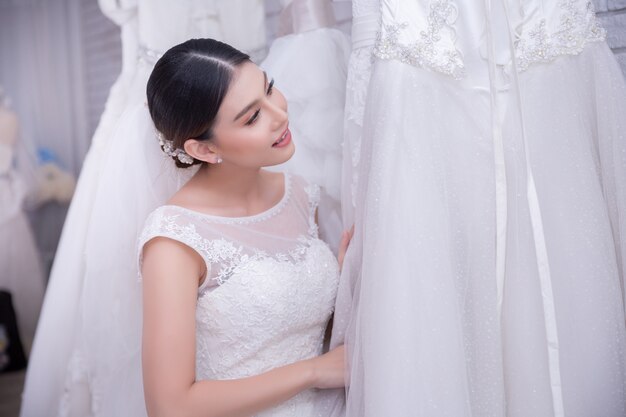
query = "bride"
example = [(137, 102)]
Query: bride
[(237, 287)]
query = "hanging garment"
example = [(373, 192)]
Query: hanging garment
[(485, 167)]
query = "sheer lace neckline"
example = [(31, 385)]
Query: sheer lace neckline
[(270, 212)]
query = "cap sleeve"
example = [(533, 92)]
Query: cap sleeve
[(165, 222)]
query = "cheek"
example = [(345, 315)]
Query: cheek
[(280, 99), (246, 142)]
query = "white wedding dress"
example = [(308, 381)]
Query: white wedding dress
[(486, 172), (60, 379), (269, 292)]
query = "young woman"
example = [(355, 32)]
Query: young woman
[(237, 287)]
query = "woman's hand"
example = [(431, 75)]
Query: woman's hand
[(346, 236), (329, 369)]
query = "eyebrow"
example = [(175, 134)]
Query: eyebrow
[(249, 106)]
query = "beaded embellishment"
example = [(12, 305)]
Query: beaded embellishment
[(428, 51), (578, 27)]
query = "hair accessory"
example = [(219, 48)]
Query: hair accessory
[(170, 150)]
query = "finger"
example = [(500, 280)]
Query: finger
[(345, 239)]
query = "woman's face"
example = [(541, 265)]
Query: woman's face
[(251, 129)]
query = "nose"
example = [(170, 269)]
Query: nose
[(277, 105)]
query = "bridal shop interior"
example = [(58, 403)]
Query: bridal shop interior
[(68, 69)]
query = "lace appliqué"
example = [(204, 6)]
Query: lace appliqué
[(428, 52), (222, 252), (357, 84), (578, 27), (238, 262), (313, 192)]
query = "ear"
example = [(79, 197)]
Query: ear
[(202, 150)]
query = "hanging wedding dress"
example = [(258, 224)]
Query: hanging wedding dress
[(310, 68), (62, 377), (21, 274), (486, 171)]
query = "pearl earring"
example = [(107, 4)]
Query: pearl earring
[(219, 160)]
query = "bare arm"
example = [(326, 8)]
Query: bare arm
[(171, 274)]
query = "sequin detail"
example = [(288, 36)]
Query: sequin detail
[(429, 51), (577, 28)]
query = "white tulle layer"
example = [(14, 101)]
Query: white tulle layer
[(422, 324)]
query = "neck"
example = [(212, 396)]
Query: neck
[(234, 183)]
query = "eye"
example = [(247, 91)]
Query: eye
[(254, 118), (270, 88)]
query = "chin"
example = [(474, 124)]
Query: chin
[(285, 155)]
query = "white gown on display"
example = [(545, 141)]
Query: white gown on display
[(310, 68), (61, 378), (486, 171), (21, 273), (269, 292)]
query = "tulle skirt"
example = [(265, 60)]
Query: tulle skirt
[(434, 329)]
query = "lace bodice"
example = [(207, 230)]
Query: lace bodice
[(269, 291), (443, 35)]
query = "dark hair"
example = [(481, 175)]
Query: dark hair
[(187, 87)]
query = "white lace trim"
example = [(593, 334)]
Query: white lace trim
[(224, 252), (578, 27), (313, 192), (271, 212), (217, 251)]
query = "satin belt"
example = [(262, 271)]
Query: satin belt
[(541, 253), (364, 30), (305, 15)]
